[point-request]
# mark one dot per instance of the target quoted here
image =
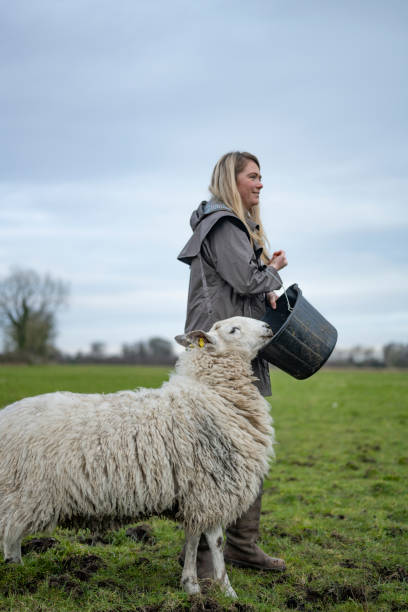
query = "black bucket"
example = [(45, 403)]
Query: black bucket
[(303, 339)]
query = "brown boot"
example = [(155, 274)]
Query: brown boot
[(205, 569), (240, 548)]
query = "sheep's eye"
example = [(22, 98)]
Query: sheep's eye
[(234, 329)]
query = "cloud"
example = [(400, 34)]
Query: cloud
[(96, 91), (113, 117), (117, 242)]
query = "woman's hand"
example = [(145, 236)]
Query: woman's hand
[(278, 260), (272, 297)]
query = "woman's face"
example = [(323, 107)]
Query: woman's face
[(249, 185)]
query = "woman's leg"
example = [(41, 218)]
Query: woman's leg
[(241, 548)]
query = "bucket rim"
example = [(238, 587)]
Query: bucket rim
[(298, 290)]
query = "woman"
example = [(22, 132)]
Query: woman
[(232, 274)]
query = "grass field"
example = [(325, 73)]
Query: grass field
[(335, 507)]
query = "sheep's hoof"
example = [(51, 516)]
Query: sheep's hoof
[(229, 591), (191, 586)]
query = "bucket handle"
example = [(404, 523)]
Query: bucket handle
[(290, 308)]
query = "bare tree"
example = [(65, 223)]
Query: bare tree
[(28, 306), (396, 355), (98, 349), (160, 349), (153, 351)]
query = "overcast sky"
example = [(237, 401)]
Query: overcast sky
[(113, 114)]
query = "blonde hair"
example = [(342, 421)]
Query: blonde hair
[(224, 188)]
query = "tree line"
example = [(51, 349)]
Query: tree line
[(392, 355), (29, 304), (154, 351)]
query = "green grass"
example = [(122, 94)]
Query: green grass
[(335, 507)]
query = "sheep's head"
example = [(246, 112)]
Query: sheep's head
[(237, 334)]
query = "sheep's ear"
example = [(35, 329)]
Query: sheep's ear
[(195, 338), (182, 339)]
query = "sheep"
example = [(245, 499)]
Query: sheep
[(197, 447)]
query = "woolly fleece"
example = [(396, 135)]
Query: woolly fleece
[(198, 447)]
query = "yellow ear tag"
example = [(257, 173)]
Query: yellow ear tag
[(201, 342)]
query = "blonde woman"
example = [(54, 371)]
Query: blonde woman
[(231, 273)]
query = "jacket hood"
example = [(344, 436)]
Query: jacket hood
[(202, 220), (205, 209)]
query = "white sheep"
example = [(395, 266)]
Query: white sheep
[(198, 447)]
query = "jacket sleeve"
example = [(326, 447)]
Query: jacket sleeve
[(230, 252)]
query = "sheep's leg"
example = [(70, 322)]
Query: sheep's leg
[(12, 554), (216, 543), (189, 578), (12, 545)]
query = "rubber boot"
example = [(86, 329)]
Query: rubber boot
[(241, 549)]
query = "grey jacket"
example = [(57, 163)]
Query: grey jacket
[(227, 277)]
